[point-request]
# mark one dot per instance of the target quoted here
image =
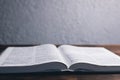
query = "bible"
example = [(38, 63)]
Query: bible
[(49, 58)]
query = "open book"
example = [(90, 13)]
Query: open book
[(48, 57)]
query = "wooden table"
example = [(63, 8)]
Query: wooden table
[(115, 76)]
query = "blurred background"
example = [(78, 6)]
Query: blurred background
[(59, 22)]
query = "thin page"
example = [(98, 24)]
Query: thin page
[(17, 56), (93, 55), (48, 53)]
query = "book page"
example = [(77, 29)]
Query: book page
[(34, 55), (48, 53), (93, 55), (17, 56)]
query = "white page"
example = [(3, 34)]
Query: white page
[(17, 56), (92, 55), (48, 53), (5, 54)]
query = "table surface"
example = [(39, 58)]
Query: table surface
[(115, 76)]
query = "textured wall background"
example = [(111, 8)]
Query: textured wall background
[(59, 21)]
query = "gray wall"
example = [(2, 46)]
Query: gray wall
[(59, 21)]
